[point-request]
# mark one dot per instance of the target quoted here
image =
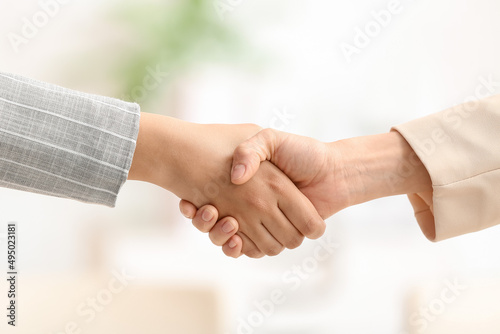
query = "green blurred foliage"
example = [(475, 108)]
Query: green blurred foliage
[(174, 36)]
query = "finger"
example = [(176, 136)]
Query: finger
[(264, 240), (249, 154), (233, 247), (249, 248), (223, 230), (302, 214), (205, 218), (188, 209), (284, 231)]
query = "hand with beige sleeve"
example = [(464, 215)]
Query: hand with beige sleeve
[(448, 163), (333, 176)]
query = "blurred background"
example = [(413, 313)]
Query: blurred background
[(324, 69)]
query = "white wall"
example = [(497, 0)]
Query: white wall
[(430, 56)]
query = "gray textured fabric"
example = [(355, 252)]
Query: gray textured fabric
[(64, 143)]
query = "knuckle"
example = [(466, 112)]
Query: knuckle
[(215, 238), (268, 133), (201, 225), (230, 253), (242, 150), (254, 253), (314, 228), (294, 242), (277, 186), (274, 250), (258, 202)]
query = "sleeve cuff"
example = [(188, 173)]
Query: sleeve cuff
[(459, 147), (64, 143)]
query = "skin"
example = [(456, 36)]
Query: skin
[(194, 162), (333, 176)]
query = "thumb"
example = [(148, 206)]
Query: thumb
[(249, 154)]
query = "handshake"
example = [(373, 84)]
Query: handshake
[(271, 188)]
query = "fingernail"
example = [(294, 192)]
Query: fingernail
[(238, 172), (227, 227), (231, 244), (207, 215)]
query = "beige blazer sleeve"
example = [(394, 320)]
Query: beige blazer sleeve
[(460, 147)]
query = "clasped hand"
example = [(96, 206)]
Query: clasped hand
[(268, 213), (273, 188), (307, 162), (333, 176)]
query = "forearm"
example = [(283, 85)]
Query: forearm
[(379, 166)]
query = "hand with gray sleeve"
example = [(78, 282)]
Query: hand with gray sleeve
[(64, 143)]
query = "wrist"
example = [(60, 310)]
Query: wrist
[(157, 156), (379, 166)]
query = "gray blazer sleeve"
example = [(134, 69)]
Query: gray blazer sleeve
[(59, 142)]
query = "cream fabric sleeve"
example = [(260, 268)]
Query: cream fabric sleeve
[(64, 143), (460, 147)]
